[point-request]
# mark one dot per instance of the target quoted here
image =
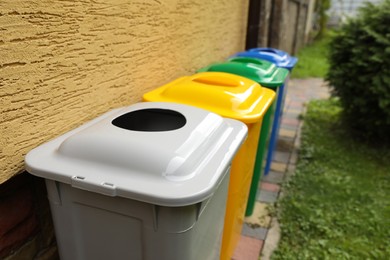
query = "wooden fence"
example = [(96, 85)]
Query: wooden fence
[(281, 24)]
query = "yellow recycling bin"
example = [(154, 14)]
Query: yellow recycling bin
[(233, 97)]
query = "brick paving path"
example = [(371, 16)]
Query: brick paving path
[(261, 232)]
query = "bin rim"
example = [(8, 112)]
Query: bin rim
[(97, 157), (226, 94), (280, 58), (265, 73)]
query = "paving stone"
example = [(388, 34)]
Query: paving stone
[(272, 240), (299, 92), (288, 127), (273, 177), (254, 231), (287, 133), (299, 97), (289, 121), (267, 196), (248, 249), (282, 157), (278, 166), (297, 141), (294, 111), (286, 107), (323, 95), (285, 144), (266, 186), (290, 115), (296, 104), (260, 216), (290, 171), (294, 157)]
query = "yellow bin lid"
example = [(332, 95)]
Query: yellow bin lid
[(226, 94)]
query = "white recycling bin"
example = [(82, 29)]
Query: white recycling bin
[(148, 182)]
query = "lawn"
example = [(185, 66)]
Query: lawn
[(337, 205), (313, 60)]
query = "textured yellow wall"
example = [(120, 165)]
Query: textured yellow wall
[(65, 62)]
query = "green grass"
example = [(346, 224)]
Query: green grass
[(313, 61), (337, 205)]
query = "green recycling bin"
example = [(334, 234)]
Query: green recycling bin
[(282, 60), (267, 75)]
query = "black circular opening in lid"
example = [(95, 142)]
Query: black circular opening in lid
[(150, 120)]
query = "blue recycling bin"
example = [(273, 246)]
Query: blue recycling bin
[(283, 60)]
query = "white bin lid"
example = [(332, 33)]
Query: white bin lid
[(181, 166)]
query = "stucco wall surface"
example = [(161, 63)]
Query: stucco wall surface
[(63, 63)]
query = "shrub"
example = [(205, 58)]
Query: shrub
[(360, 71), (321, 8)]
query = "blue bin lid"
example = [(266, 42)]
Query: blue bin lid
[(280, 58)]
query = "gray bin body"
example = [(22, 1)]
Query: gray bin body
[(107, 205), (93, 226)]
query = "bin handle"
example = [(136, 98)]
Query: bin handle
[(216, 80)]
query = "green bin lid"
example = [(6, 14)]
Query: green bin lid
[(264, 72)]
